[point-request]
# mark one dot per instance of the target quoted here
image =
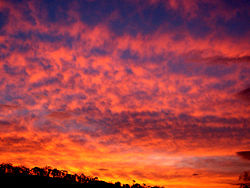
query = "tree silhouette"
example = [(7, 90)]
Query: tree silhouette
[(21, 175), (244, 179)]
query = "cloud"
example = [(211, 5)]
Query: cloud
[(19, 144), (13, 140), (5, 123), (8, 107), (222, 60), (103, 169), (59, 115), (226, 60), (78, 139), (11, 126), (244, 94), (244, 154), (4, 14)]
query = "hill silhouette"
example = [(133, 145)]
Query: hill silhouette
[(13, 175), (21, 175)]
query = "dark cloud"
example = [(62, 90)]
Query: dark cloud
[(227, 60), (49, 126), (167, 125), (11, 126), (180, 66), (8, 107), (146, 20), (125, 17), (44, 37), (99, 51), (128, 54), (54, 11), (95, 12), (228, 84), (197, 28), (129, 71), (193, 63), (5, 123), (91, 71), (237, 26), (52, 80), (42, 62), (103, 169), (13, 140), (244, 154), (197, 57), (15, 71), (218, 71), (195, 174), (244, 94), (22, 144), (4, 17), (59, 115), (78, 139)]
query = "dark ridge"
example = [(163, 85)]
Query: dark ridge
[(21, 175)]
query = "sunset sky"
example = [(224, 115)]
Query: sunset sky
[(156, 91)]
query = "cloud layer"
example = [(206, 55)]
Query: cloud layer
[(113, 87)]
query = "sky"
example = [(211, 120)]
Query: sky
[(156, 91)]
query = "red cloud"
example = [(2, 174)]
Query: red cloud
[(59, 115)]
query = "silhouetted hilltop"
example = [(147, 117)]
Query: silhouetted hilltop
[(21, 175)]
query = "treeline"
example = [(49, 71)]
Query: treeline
[(21, 175), (244, 178)]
